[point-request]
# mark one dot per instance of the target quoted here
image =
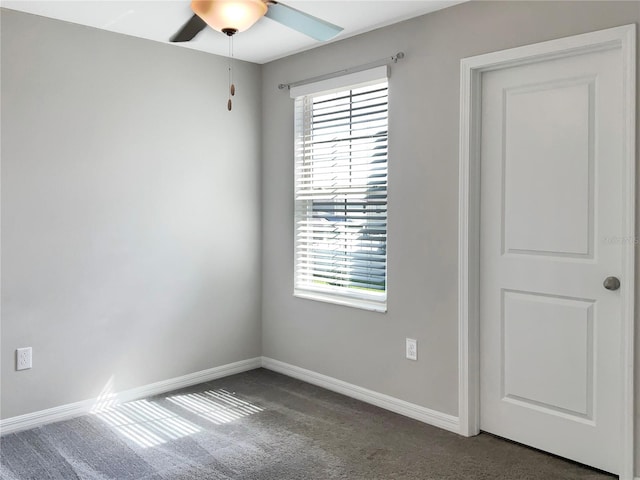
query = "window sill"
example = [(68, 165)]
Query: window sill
[(364, 304)]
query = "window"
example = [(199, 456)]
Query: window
[(341, 190)]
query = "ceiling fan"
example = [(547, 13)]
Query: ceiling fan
[(233, 16)]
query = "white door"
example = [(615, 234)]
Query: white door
[(551, 218)]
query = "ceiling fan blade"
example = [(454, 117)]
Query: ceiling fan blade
[(189, 30), (303, 22)]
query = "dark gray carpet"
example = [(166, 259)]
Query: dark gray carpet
[(261, 425)]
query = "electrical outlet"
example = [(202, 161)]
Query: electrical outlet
[(23, 358), (412, 349)]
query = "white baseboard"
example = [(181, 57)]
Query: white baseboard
[(63, 412), (423, 414)]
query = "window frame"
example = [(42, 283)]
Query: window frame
[(340, 295)]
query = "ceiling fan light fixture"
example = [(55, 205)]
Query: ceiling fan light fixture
[(236, 15)]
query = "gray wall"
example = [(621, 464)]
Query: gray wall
[(366, 348), (130, 212)]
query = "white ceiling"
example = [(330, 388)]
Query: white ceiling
[(265, 41)]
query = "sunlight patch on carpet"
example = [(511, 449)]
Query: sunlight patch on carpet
[(146, 423), (219, 406)]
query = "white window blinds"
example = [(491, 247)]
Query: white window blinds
[(341, 192)]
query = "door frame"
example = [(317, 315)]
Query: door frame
[(471, 70)]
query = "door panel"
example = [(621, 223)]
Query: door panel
[(548, 146), (538, 330)]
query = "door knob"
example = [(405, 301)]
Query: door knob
[(611, 283)]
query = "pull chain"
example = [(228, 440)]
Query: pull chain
[(232, 87)]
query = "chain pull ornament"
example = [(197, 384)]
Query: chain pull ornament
[(230, 32)]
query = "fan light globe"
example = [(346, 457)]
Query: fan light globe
[(235, 15)]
